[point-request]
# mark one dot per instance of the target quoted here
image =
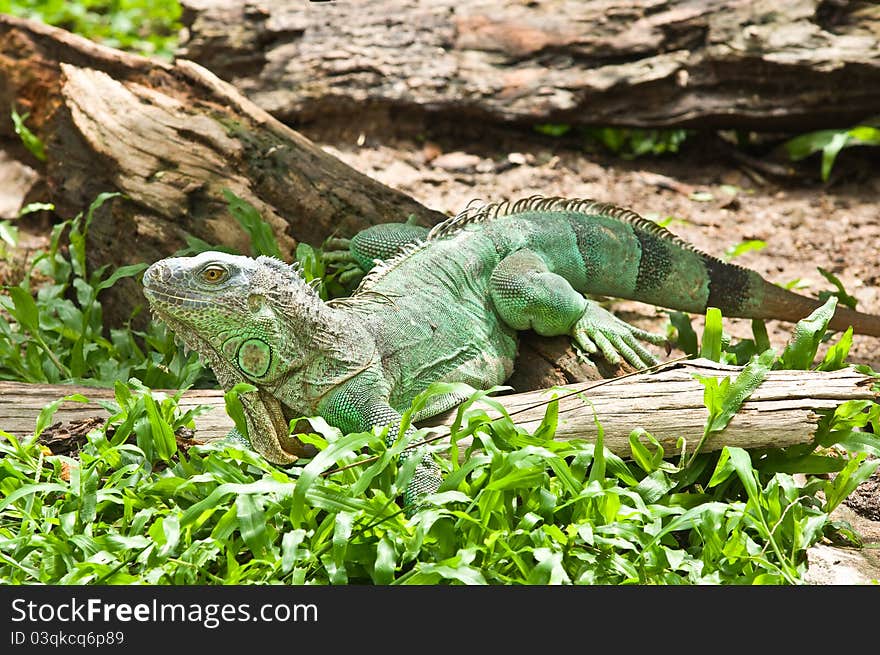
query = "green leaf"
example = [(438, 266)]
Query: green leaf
[(234, 408), (804, 342), (647, 461), (830, 143), (759, 331), (734, 251), (33, 207), (121, 272), (263, 240), (252, 524), (30, 140), (687, 338), (723, 469), (385, 563), (88, 496), (44, 419), (723, 399), (26, 312), (742, 465), (30, 489), (712, 335), (654, 486), (323, 461), (808, 464), (597, 470), (162, 435), (341, 536), (856, 471), (553, 129), (8, 234), (290, 548), (835, 358), (807, 144), (523, 478), (830, 152), (547, 429), (842, 296), (749, 379)]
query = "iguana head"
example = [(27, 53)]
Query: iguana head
[(247, 317)]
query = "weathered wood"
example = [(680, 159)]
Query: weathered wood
[(754, 64), (782, 412), (171, 138)]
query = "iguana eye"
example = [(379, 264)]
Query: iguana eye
[(214, 273)]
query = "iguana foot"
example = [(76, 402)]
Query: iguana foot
[(350, 275), (338, 251), (598, 330)]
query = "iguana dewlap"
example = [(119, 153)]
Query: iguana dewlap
[(444, 309)]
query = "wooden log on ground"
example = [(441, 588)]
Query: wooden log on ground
[(171, 137), (783, 411), (747, 64)]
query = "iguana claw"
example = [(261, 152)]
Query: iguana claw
[(598, 330)]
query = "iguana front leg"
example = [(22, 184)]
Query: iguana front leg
[(355, 406), (527, 295)]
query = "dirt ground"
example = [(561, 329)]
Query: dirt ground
[(715, 203)]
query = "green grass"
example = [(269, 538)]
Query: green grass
[(831, 142), (522, 509), (53, 331), (149, 27), (628, 143)]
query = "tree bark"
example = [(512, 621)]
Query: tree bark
[(782, 412), (171, 138), (748, 64)]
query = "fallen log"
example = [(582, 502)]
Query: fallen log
[(742, 64), (170, 137), (783, 411)]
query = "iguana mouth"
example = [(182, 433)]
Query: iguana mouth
[(164, 297)]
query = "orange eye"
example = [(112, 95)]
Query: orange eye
[(213, 273)]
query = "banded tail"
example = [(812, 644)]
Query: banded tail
[(738, 292)]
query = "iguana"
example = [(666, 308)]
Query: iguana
[(446, 307)]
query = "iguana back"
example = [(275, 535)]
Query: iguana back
[(438, 314)]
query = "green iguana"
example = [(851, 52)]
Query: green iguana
[(443, 307)]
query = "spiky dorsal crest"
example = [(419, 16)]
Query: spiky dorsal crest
[(478, 211), (382, 268)]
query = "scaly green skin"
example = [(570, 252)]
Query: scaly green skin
[(445, 309)]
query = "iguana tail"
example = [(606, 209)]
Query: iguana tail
[(787, 306), (739, 292), (671, 273)]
